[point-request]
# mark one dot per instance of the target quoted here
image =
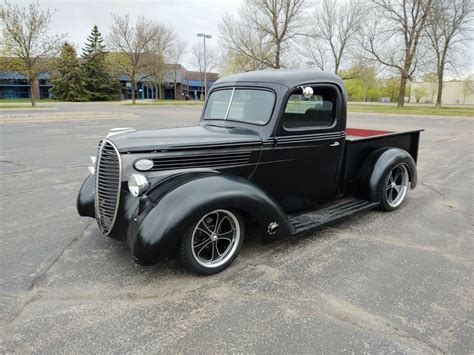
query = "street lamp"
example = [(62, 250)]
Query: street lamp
[(204, 36)]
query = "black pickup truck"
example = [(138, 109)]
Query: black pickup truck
[(271, 148)]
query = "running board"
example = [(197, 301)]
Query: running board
[(334, 211)]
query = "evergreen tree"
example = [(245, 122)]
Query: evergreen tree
[(99, 82), (68, 81)]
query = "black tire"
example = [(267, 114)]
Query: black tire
[(199, 246), (394, 187)]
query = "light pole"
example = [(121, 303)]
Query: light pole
[(204, 36)]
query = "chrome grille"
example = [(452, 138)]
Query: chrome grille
[(108, 182), (200, 161)]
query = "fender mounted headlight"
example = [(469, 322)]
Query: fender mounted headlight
[(138, 184)]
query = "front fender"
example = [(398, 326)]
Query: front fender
[(376, 166), (85, 198), (161, 229)]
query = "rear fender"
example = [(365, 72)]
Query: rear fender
[(375, 167), (161, 228)]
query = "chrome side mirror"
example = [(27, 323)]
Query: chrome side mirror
[(307, 92)]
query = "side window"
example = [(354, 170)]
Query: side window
[(317, 111)]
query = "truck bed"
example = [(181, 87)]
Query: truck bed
[(358, 133), (360, 143)]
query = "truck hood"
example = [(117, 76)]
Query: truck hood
[(199, 137)]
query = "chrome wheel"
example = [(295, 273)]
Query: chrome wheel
[(397, 186), (215, 238)]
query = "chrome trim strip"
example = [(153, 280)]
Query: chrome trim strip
[(96, 199), (314, 135), (230, 103), (97, 209), (317, 134), (212, 146), (310, 138)]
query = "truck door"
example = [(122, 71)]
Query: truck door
[(304, 164)]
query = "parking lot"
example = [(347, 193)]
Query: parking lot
[(375, 282)]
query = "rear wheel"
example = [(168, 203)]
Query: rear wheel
[(395, 187), (213, 242)]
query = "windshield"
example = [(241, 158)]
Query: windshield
[(253, 106)]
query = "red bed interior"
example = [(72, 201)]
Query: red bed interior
[(358, 132)]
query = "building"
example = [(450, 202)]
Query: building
[(15, 86), (176, 83), (196, 83), (454, 92)]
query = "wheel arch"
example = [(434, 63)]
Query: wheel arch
[(161, 229), (375, 167)]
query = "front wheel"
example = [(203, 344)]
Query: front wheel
[(395, 187), (213, 242)]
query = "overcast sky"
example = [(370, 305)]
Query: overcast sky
[(76, 17)]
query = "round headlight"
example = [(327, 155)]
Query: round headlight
[(144, 164), (92, 164), (138, 184)]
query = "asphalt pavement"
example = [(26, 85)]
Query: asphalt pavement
[(376, 282)]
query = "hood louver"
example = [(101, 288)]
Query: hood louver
[(200, 161)]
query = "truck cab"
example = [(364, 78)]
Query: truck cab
[(303, 137), (271, 147)]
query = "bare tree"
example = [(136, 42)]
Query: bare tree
[(26, 37), (262, 30), (447, 26), (133, 41), (155, 59), (335, 25), (234, 62), (175, 55), (211, 61), (432, 80), (316, 53), (394, 36)]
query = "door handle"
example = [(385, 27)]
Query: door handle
[(335, 144)]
